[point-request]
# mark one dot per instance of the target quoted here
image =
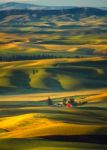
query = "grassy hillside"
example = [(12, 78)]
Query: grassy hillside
[(46, 45), (46, 127), (44, 145), (25, 119), (62, 35), (54, 74), (32, 125)]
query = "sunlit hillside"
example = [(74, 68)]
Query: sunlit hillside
[(54, 34), (43, 123), (54, 74)]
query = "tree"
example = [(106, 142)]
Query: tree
[(50, 102)]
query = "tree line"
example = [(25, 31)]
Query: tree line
[(20, 57)]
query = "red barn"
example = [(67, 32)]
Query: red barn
[(68, 105)]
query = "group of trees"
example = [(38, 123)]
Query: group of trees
[(19, 57), (27, 57)]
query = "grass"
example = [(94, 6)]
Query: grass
[(32, 144), (55, 74), (27, 116), (21, 119), (25, 126), (32, 125), (28, 41)]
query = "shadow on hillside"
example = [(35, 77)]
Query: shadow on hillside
[(96, 139), (20, 79), (6, 90), (53, 84), (92, 108)]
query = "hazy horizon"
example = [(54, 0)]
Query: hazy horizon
[(84, 3)]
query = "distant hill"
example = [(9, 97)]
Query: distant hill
[(16, 5), (20, 13)]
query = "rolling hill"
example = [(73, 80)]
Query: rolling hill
[(56, 52), (54, 75), (15, 5), (55, 37), (70, 14), (20, 5), (29, 34)]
